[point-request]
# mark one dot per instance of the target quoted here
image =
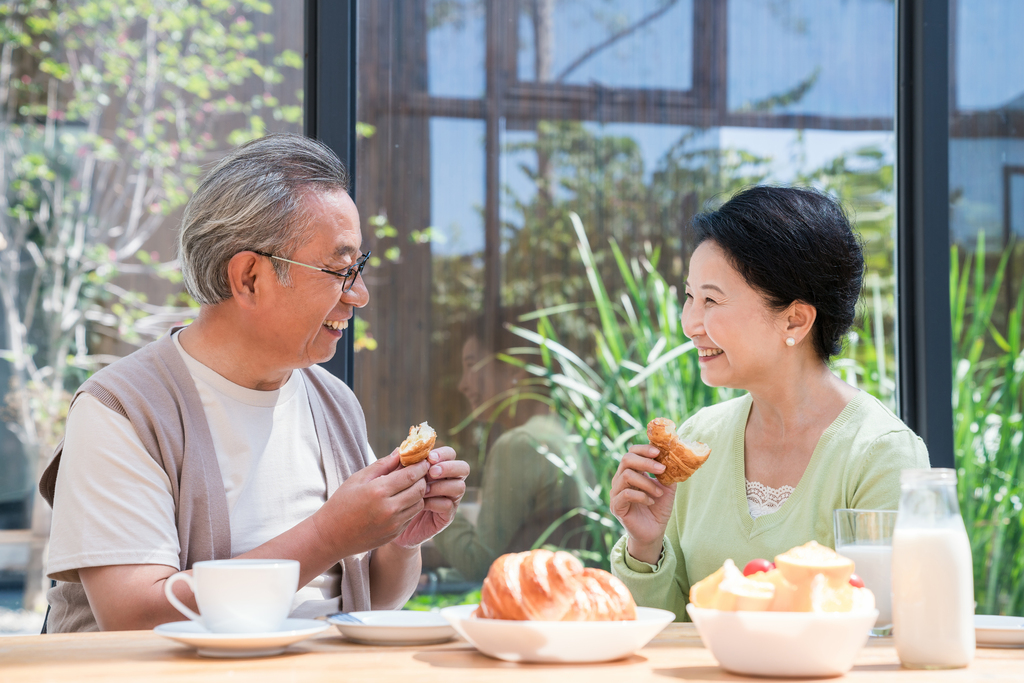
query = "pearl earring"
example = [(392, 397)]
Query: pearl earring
[(790, 341)]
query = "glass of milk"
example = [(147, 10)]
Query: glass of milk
[(865, 536), (932, 574)]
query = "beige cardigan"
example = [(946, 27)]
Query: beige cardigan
[(154, 390)]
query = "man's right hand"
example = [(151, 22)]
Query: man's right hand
[(642, 503), (372, 507)]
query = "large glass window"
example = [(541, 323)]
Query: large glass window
[(986, 188), (535, 163), (110, 114)]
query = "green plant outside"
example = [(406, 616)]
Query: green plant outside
[(988, 389)]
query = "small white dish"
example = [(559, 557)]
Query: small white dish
[(991, 630), (558, 641), (396, 627), (783, 644), (209, 644)]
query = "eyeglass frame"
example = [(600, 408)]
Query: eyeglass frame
[(352, 271)]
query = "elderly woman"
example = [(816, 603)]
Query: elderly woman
[(772, 289)]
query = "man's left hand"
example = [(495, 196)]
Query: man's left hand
[(446, 484)]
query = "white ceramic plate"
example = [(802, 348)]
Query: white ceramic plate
[(558, 641), (396, 627), (210, 644), (995, 631)]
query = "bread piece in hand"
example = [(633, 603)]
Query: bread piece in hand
[(417, 446), (680, 458)]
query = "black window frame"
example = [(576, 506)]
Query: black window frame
[(330, 111)]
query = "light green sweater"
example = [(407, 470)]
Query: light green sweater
[(856, 464)]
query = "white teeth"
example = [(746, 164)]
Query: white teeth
[(336, 324), (704, 353)]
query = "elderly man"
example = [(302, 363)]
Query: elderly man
[(225, 439)]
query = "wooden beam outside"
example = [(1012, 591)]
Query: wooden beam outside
[(652, 107)]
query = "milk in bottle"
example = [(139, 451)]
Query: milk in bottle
[(932, 577)]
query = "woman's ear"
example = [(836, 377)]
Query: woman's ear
[(798, 320)]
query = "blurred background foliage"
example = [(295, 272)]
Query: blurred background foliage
[(109, 113)]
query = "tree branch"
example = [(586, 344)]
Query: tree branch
[(614, 38)]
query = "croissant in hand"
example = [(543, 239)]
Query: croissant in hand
[(540, 585)]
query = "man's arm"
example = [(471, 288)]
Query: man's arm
[(368, 511), (394, 572), (395, 567)]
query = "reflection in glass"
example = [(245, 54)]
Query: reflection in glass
[(638, 44), (532, 475), (455, 47), (555, 196), (812, 57)]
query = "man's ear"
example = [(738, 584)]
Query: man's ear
[(799, 320), (246, 272)]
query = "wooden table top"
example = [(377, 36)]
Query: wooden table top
[(676, 653)]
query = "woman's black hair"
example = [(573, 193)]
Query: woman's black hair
[(793, 244)]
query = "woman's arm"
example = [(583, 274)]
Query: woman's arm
[(664, 585)]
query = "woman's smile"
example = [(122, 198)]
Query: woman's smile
[(708, 354)]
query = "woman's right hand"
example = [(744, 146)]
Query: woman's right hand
[(641, 503)]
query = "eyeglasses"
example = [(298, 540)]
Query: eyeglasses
[(348, 276)]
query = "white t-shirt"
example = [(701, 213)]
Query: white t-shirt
[(114, 501)]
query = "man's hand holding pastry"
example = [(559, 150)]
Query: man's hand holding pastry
[(446, 484), (372, 507)]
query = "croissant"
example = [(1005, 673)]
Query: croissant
[(680, 458), (417, 445), (540, 585)]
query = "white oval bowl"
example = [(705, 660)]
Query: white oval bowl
[(782, 644), (557, 641)]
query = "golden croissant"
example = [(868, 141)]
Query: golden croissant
[(680, 458), (541, 585), (417, 445)]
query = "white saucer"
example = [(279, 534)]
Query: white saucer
[(995, 631), (210, 644), (396, 627)]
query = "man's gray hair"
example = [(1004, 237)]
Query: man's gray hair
[(252, 200)]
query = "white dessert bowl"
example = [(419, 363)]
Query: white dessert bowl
[(784, 644)]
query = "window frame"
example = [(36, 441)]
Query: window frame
[(330, 112), (924, 338)]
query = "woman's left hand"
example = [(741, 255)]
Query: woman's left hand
[(446, 484)]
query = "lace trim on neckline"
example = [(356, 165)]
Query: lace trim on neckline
[(763, 500)]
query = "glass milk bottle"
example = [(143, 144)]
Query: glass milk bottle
[(932, 575)]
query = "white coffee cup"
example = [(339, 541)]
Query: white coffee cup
[(239, 596)]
